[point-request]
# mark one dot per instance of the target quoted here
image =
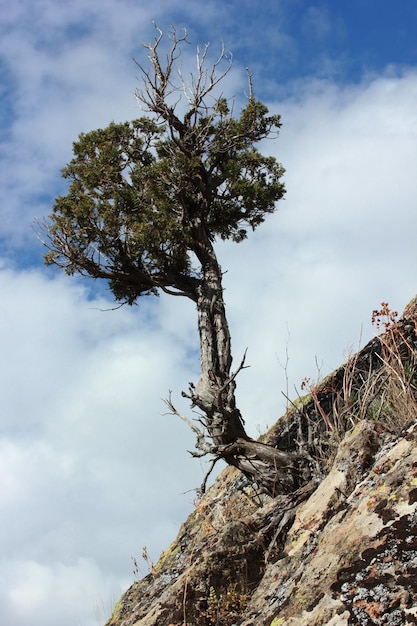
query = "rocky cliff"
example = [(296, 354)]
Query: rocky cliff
[(339, 550)]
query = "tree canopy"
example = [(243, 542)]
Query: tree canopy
[(143, 194)]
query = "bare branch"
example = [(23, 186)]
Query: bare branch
[(250, 97), (114, 308), (231, 378), (158, 84), (202, 444), (174, 293), (204, 483), (204, 83)]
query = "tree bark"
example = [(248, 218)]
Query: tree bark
[(215, 391)]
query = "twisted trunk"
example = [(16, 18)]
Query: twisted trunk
[(275, 471), (215, 391)]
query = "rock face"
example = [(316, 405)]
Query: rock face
[(340, 550), (350, 556)]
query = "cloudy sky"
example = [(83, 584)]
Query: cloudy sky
[(91, 469)]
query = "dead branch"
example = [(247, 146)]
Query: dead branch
[(249, 75), (204, 483), (234, 374), (202, 443), (158, 83)]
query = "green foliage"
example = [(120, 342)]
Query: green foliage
[(146, 196), (110, 223)]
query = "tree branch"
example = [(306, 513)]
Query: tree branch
[(202, 443), (234, 374)]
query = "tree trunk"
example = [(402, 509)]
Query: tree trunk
[(215, 392), (275, 471)]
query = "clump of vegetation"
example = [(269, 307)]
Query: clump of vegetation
[(224, 608), (395, 404), (378, 383)]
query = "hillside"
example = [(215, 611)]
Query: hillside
[(341, 548)]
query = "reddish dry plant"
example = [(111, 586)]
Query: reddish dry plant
[(384, 318), (146, 558), (135, 566)]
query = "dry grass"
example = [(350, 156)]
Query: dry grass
[(381, 387)]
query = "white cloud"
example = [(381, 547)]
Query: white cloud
[(69, 592), (90, 468)]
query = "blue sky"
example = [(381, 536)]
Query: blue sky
[(82, 488)]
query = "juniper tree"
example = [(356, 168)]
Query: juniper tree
[(146, 202)]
